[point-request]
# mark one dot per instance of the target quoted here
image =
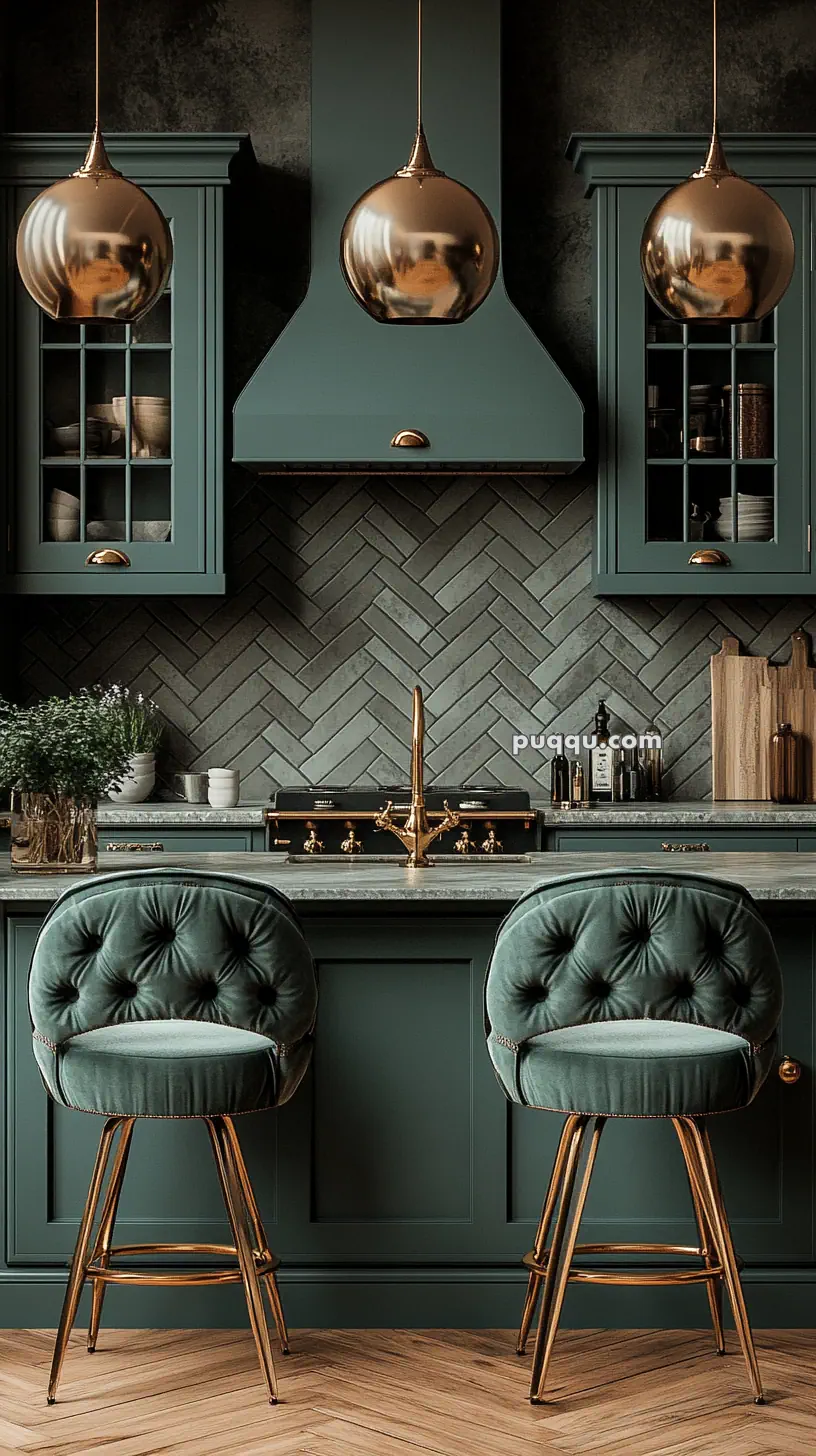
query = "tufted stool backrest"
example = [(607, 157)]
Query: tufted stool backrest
[(151, 945), (614, 946)]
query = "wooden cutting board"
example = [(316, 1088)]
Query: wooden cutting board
[(749, 696), (743, 717)]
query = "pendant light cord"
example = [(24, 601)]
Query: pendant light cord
[(714, 127), (96, 70), (419, 65)]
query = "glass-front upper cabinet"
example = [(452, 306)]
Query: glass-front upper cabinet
[(705, 448), (115, 453)]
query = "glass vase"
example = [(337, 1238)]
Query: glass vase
[(52, 834)]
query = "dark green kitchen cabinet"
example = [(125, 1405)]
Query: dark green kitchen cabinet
[(399, 1166), (90, 460), (675, 475)]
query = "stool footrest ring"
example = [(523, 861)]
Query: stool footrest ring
[(265, 1263), (633, 1276)]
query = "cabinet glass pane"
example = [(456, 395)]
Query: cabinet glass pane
[(154, 328), (664, 404), (709, 502), (151, 497), (105, 402), (55, 331), (60, 393), (105, 333), (61, 503), (664, 503), (150, 384), (105, 503)]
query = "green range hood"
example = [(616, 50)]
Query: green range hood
[(337, 387)]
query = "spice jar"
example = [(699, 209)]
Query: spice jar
[(705, 419), (787, 766)]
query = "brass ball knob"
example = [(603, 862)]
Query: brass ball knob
[(790, 1071)]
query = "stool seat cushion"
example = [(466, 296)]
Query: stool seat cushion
[(637, 1068), (169, 1068)]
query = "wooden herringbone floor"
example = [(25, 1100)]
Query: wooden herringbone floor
[(398, 1392)]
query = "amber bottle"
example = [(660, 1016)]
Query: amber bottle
[(787, 766)]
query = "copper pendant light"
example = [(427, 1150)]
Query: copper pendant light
[(419, 247), (94, 247), (717, 247)]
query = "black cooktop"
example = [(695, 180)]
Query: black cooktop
[(461, 796)]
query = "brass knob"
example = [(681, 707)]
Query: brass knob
[(410, 440), (464, 844), (351, 844), (312, 845), (281, 841), (789, 1071), (107, 556), (491, 845), (708, 556)]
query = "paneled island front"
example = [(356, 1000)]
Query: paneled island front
[(398, 1186)]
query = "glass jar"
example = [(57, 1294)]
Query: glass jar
[(52, 834), (705, 412)]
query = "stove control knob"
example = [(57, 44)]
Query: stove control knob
[(311, 844), (491, 845), (464, 844), (351, 844)]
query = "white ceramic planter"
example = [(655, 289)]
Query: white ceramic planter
[(139, 783)]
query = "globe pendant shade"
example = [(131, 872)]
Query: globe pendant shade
[(717, 248), (94, 246), (419, 248)]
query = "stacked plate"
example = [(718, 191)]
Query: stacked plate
[(755, 518), (62, 519)]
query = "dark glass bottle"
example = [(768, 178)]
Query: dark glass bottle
[(560, 791), (602, 760), (787, 766)]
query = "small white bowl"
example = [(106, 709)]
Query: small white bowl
[(227, 774), (222, 798)]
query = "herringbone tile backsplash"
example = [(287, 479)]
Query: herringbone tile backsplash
[(344, 593)]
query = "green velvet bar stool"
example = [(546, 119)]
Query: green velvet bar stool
[(641, 995), (162, 993)]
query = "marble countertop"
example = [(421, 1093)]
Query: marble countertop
[(179, 815), (768, 877), (675, 814), (723, 815)]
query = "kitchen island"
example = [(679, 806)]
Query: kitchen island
[(398, 1186)]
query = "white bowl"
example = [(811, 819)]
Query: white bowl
[(223, 773), (222, 798)]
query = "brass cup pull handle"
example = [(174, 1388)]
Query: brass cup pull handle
[(107, 556), (281, 841), (410, 440), (708, 556), (128, 848), (671, 848), (789, 1071)]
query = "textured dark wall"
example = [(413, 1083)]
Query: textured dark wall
[(244, 65)]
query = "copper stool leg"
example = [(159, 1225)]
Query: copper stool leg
[(79, 1263), (560, 1261), (259, 1234), (715, 1209), (540, 1246), (231, 1189), (714, 1286), (102, 1247)]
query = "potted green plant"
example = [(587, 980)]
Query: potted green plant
[(56, 758), (140, 728)]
